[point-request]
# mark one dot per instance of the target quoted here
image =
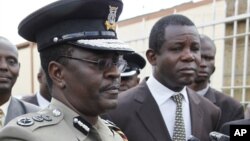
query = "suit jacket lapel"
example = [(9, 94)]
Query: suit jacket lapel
[(210, 95), (33, 100), (15, 109), (196, 113), (150, 115)]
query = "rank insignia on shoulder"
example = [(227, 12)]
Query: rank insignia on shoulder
[(47, 117), (38, 118), (25, 121)]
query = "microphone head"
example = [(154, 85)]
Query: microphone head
[(216, 136), (193, 138)]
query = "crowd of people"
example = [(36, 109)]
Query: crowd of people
[(90, 87)]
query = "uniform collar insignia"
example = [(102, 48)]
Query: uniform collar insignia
[(110, 22), (25, 121), (82, 125)]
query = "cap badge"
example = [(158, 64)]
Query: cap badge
[(110, 22)]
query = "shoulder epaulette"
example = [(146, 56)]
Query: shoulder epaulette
[(42, 118)]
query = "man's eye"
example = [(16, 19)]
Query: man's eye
[(177, 47), (12, 62), (195, 47), (208, 58)]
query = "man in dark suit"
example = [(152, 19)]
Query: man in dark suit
[(230, 108), (148, 111), (130, 78), (9, 70), (42, 97)]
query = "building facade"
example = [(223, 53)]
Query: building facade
[(225, 21)]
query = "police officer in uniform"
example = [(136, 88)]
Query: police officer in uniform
[(130, 77), (82, 59)]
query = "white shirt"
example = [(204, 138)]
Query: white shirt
[(42, 102), (5, 107), (203, 91), (162, 96)]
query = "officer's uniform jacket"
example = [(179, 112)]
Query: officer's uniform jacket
[(57, 123)]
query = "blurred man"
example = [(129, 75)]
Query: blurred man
[(42, 98), (130, 78), (230, 108), (82, 59), (10, 107)]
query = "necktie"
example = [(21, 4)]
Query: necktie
[(1, 116), (179, 128)]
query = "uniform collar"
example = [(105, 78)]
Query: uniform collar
[(102, 128), (69, 116)]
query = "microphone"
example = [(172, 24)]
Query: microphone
[(216, 136), (193, 138)]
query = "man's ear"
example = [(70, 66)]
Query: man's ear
[(39, 77), (55, 71), (138, 80), (151, 57), (19, 66), (213, 70)]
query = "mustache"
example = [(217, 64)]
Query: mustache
[(113, 86)]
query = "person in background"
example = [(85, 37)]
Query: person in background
[(130, 77), (10, 107), (82, 60), (230, 108), (161, 108), (42, 98)]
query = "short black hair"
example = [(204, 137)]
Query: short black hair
[(204, 37), (53, 54), (157, 34)]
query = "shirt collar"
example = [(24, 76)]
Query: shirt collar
[(42, 101), (161, 93), (5, 106), (203, 91)]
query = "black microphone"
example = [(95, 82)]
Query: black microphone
[(216, 136), (193, 138)]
